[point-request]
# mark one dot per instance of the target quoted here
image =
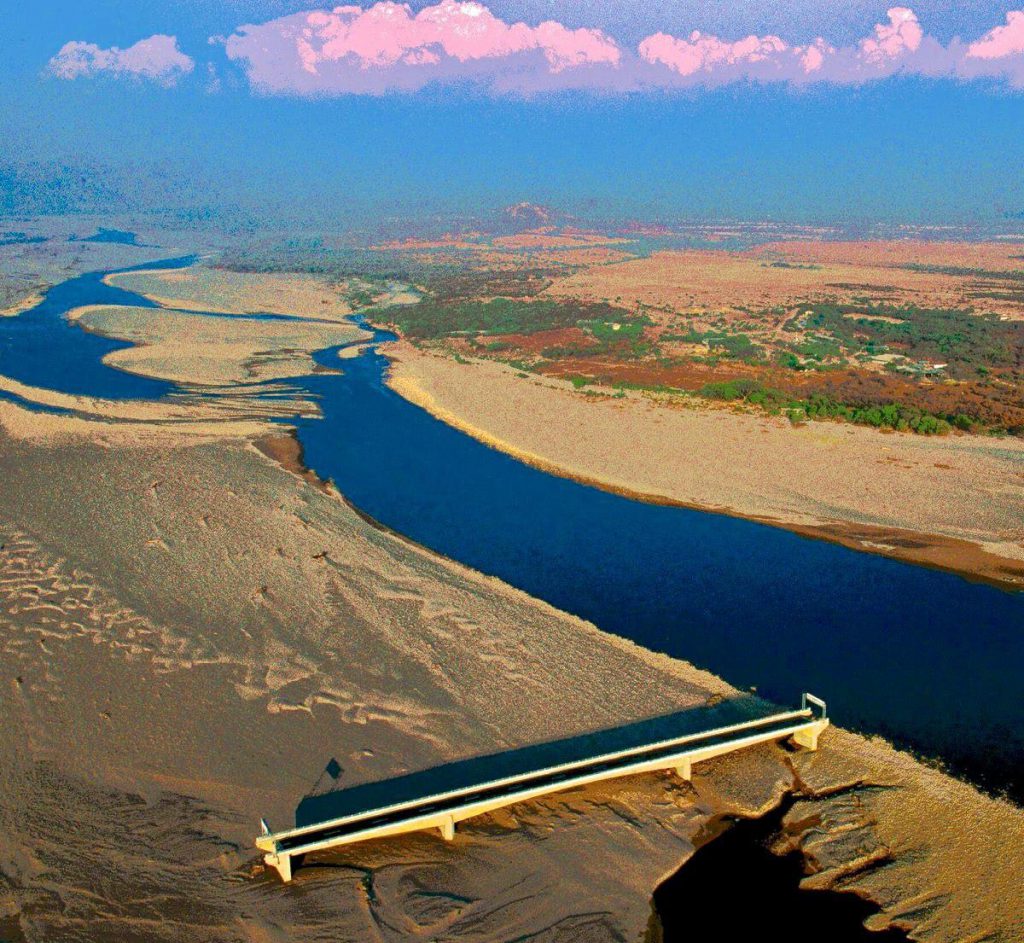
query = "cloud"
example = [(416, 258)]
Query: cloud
[(899, 45), (761, 56), (1003, 41), (386, 46), (157, 58), (901, 35), (998, 54)]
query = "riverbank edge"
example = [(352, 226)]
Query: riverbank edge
[(933, 551), (880, 757), (284, 448)]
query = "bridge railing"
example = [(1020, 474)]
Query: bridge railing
[(808, 698)]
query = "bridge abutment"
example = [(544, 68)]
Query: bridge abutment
[(808, 738), (281, 863)]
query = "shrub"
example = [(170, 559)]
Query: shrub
[(819, 406)]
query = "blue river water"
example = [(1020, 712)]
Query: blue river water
[(42, 348), (926, 658)]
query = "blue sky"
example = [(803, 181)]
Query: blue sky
[(894, 148)]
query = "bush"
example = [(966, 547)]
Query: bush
[(819, 406), (729, 389), (969, 343)]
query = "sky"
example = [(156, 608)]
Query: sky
[(798, 111)]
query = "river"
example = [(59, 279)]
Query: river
[(927, 659)]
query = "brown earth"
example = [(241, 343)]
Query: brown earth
[(687, 293), (995, 405), (717, 280), (190, 632)]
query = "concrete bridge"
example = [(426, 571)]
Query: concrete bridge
[(441, 810)]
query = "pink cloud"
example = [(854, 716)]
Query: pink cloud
[(902, 34), (897, 45), (157, 58), (1002, 41), (813, 56), (760, 55), (388, 46)]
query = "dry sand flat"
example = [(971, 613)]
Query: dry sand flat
[(953, 501), (199, 288), (216, 367), (216, 360), (785, 273), (212, 351), (255, 628), (189, 632)]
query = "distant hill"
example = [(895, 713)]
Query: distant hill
[(529, 214)]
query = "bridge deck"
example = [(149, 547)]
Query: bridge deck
[(443, 809)]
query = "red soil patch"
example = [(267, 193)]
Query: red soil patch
[(992, 405), (556, 337), (684, 376)]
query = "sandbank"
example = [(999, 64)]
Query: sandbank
[(952, 502)]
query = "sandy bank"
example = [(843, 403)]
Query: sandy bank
[(951, 502), (200, 288), (190, 631), (208, 351), (29, 301)]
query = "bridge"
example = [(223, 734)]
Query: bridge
[(353, 815)]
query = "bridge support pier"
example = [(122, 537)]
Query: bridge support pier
[(684, 770), (282, 863), (808, 739), (448, 828)]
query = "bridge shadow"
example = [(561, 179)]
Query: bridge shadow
[(330, 801)]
